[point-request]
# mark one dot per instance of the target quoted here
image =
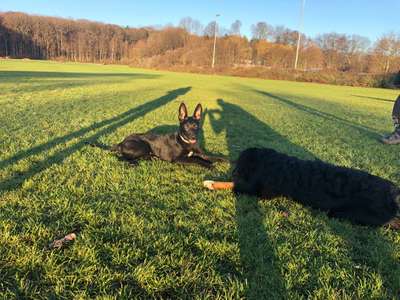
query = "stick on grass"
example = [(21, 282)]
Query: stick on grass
[(58, 244), (218, 185)]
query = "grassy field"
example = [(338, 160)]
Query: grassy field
[(152, 231)]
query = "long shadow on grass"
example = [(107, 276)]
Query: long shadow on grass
[(363, 129), (372, 252), (31, 75), (374, 98), (47, 81), (24, 288), (367, 247), (97, 125), (262, 267), (109, 125)]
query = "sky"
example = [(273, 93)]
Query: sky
[(370, 18)]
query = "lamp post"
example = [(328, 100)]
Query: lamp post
[(215, 40), (300, 30)]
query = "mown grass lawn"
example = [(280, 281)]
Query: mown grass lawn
[(152, 230)]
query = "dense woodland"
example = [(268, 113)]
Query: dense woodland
[(270, 53)]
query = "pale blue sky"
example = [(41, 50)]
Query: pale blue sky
[(370, 18)]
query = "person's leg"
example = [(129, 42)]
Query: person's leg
[(394, 137), (396, 113)]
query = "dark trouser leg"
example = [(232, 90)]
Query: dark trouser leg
[(394, 137), (396, 114)]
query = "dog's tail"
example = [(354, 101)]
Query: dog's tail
[(114, 148)]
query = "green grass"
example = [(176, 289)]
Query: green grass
[(152, 231)]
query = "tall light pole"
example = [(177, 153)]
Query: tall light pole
[(303, 2), (215, 40)]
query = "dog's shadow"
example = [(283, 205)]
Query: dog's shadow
[(259, 240)]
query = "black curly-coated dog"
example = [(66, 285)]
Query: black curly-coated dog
[(342, 192)]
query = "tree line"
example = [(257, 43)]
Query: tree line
[(188, 46)]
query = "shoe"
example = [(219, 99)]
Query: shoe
[(392, 139)]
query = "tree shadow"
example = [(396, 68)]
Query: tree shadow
[(106, 127), (243, 130), (365, 130), (46, 81), (33, 275), (373, 251), (263, 269), (374, 98), (22, 48), (261, 265), (51, 75)]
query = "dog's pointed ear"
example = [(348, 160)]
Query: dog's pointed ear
[(197, 112), (182, 112)]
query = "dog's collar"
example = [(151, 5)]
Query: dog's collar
[(187, 141)]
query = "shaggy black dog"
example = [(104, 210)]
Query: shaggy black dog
[(343, 193)]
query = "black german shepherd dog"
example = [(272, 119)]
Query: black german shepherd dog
[(179, 147), (343, 193)]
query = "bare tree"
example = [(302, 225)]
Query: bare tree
[(186, 23), (260, 31), (333, 45), (387, 49), (191, 25), (197, 27), (235, 28), (47, 38), (358, 44), (283, 35), (210, 29)]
